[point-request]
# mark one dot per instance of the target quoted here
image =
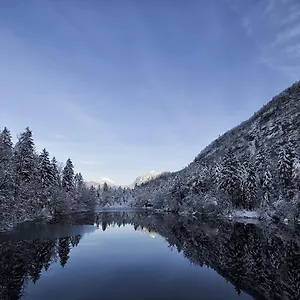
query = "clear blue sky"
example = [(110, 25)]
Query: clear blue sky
[(124, 87)]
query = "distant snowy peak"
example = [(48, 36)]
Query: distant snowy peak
[(101, 182), (146, 177), (107, 180), (138, 181)]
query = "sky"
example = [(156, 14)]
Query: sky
[(125, 87)]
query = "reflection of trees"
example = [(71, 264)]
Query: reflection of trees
[(257, 260), (64, 247), (21, 261)]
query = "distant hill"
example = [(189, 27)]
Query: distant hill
[(101, 182)]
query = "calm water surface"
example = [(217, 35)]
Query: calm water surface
[(140, 255)]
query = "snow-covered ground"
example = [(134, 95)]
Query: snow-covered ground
[(244, 214)]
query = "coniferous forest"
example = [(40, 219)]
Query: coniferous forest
[(34, 185)]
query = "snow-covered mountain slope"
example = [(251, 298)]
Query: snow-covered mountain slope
[(274, 124), (267, 134), (146, 178)]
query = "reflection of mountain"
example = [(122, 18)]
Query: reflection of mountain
[(262, 262), (148, 232)]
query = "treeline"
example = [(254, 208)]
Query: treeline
[(266, 181), (33, 185), (113, 196)]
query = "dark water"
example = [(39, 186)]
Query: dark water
[(141, 255)]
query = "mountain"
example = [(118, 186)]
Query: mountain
[(146, 178), (275, 123), (101, 182), (255, 165), (142, 179)]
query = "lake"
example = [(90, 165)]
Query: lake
[(143, 255)]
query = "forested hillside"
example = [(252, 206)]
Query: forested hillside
[(254, 166), (33, 185)]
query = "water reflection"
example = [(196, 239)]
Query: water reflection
[(263, 262)]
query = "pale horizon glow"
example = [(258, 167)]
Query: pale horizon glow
[(125, 87)]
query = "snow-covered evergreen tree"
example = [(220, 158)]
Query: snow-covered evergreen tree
[(6, 163), (46, 172), (25, 158), (261, 160), (55, 172), (229, 181), (46, 179), (296, 174), (249, 185), (7, 202), (68, 176), (78, 181), (267, 187), (26, 176), (285, 170)]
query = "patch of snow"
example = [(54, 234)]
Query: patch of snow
[(248, 221), (247, 214), (252, 148)]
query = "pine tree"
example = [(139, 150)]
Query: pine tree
[(78, 180), (7, 202), (296, 174), (55, 172), (47, 180), (24, 158), (6, 163), (250, 185), (80, 192), (45, 170), (267, 187), (105, 187), (26, 177), (230, 180), (285, 169), (68, 176), (260, 163), (90, 201)]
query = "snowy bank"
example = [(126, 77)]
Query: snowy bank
[(244, 214)]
